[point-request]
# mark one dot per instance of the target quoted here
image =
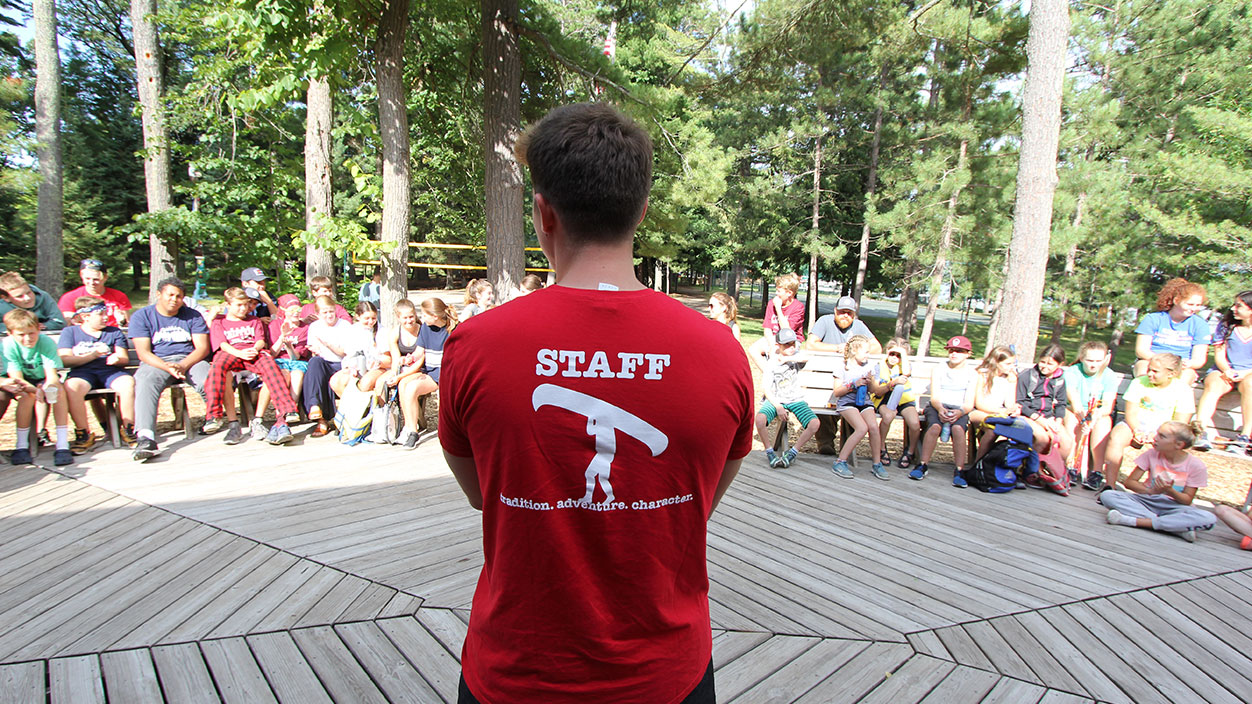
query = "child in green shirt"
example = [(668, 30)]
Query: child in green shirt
[(32, 362)]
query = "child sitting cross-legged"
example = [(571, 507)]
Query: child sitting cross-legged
[(851, 394), (1161, 487), (96, 354), (240, 343), (780, 364), (32, 363)]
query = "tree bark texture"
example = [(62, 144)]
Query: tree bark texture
[(1071, 261), (393, 123), (318, 195), (906, 310), (871, 184), (50, 263), (941, 257), (814, 224), (502, 85), (156, 164), (1036, 175)]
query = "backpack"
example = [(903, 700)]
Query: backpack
[(352, 417), (996, 471), (387, 421)]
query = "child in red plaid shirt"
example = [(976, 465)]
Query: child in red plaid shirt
[(240, 344)]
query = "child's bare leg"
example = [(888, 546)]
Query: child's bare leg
[(914, 424), (887, 415), (985, 441), (368, 379), (76, 395), (228, 399), (1236, 519), (1119, 440), (875, 437), (959, 447), (1245, 403), (297, 384), (929, 441), (124, 387), (1215, 386), (762, 431), (1098, 441), (807, 433), (1188, 375), (852, 417), (262, 401)]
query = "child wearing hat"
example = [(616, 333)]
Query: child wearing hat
[(780, 367), (951, 400)]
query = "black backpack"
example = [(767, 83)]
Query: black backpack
[(996, 471)]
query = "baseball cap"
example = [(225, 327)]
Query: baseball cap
[(846, 303), (91, 264), (253, 274), (288, 299), (252, 293), (959, 342), (785, 336)]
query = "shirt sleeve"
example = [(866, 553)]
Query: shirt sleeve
[(451, 428), (1136, 390), (198, 326), (47, 349), (1186, 399), (1144, 460), (1149, 325), (1201, 333), (69, 338), (1197, 473), (795, 318), (10, 354), (768, 323), (48, 312), (140, 325), (217, 335)]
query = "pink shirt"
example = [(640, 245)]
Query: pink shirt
[(1190, 472)]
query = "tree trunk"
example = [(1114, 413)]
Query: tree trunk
[(50, 262), (906, 310), (1036, 175), (502, 85), (941, 257), (732, 282), (871, 183), (814, 232), (156, 163), (393, 123), (318, 195), (997, 304)]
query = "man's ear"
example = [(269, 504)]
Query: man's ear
[(546, 217)]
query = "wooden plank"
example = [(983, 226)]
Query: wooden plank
[(285, 668), (1056, 696), (184, 675), (963, 684), (401, 605), (1013, 691), (728, 646), (394, 674), (963, 648), (1109, 659), (420, 647), (1004, 659), (801, 674), (129, 676), (447, 627), (221, 607), (741, 675), (372, 599), (1205, 611), (76, 680), (927, 643), (909, 682), (1047, 669), (1085, 673), (334, 606), (339, 672), (860, 675), (300, 601), (248, 616), (22, 683), (238, 677)]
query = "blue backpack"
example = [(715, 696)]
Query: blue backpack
[(996, 471)]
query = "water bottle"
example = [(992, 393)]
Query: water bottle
[(50, 393), (893, 401), (862, 395), (945, 433)]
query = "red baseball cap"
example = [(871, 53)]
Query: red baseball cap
[(960, 342)]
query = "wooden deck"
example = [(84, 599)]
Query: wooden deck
[(319, 572)]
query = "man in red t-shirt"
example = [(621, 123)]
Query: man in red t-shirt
[(628, 416), (93, 276)]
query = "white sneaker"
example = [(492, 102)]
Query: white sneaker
[(1187, 535), (1115, 517), (257, 429)]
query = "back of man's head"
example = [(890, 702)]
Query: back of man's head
[(593, 165)]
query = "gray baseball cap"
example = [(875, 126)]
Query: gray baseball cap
[(785, 336), (846, 303)]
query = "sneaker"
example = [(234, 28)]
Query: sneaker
[(127, 433), (21, 456), (145, 449), (234, 434), (292, 418), (919, 472), (278, 435), (1115, 517), (410, 442), (44, 439), (1075, 478), (841, 469), (958, 479), (1246, 543), (63, 457), (879, 471), (773, 459), (212, 425), (1202, 444), (1187, 535), (257, 430), (84, 440), (788, 457), (1095, 481)]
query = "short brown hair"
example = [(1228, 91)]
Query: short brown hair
[(790, 282), (11, 280), (20, 319), (235, 294), (593, 164), (87, 301), (320, 282)]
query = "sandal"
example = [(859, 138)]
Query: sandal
[(905, 460)]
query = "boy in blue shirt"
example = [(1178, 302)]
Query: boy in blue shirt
[(33, 362), (97, 355)]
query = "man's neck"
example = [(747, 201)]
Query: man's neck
[(598, 268)]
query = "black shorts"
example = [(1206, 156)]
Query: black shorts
[(702, 694), (932, 417), (900, 407)]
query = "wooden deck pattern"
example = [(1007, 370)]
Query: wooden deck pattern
[(323, 573)]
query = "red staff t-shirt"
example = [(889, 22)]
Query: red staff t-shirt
[(599, 423)]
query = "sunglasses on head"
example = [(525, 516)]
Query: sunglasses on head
[(895, 355), (93, 264)]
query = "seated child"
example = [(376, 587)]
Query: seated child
[(480, 295), (1091, 388), (240, 343), (416, 346), (995, 394), (33, 362), (97, 355), (1041, 395), (1161, 487), (16, 293), (1239, 522), (327, 337), (1150, 401), (951, 400), (1232, 361), (321, 286), (780, 368), (851, 394), (892, 395), (289, 345)]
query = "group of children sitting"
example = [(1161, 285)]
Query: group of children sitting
[(1065, 411), (298, 352)]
